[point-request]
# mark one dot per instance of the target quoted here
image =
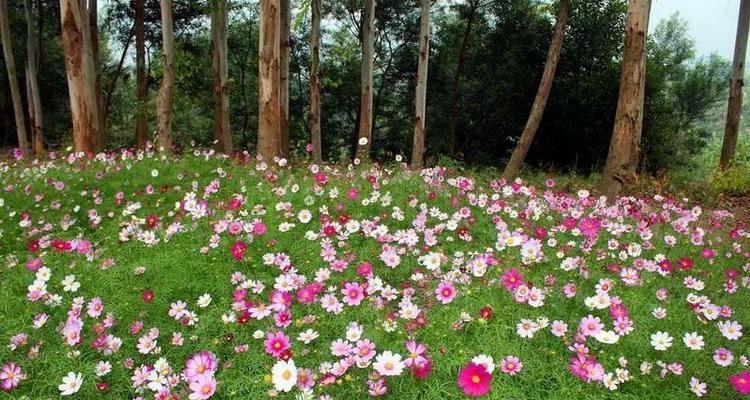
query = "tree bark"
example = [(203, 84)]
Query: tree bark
[(285, 15), (222, 134), (315, 137), (365, 115), (420, 101), (80, 69), (141, 125), (113, 84), (166, 93), (269, 76), (94, 26), (10, 65), (33, 99), (734, 109), (542, 95), (473, 5), (629, 118)]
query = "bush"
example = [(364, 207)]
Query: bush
[(734, 181)]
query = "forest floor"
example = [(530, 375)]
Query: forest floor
[(210, 277)]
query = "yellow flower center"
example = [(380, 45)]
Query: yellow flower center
[(476, 379)]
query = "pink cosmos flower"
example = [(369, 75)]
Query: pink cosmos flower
[(511, 365), (474, 380), (741, 382), (570, 290), (723, 357), (95, 307), (416, 354), (591, 325), (586, 368), (202, 387), (353, 293), (10, 376), (276, 343), (445, 292), (365, 350), (203, 363)]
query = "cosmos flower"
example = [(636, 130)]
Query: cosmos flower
[(474, 380), (284, 375), (71, 384)]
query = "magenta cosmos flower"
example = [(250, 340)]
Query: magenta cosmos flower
[(741, 382), (276, 343), (511, 279), (474, 380)]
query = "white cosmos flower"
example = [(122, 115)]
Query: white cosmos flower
[(70, 284), (307, 336), (697, 387), (204, 300), (284, 375), (661, 341), (607, 337), (487, 361), (71, 384), (102, 368), (154, 173), (362, 141), (304, 216), (731, 330), (389, 364), (693, 341)]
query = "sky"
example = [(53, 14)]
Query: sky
[(712, 23)]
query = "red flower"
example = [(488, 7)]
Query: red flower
[(422, 371), (238, 250), (148, 296), (486, 313)]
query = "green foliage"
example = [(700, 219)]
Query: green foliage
[(735, 180), (681, 91), (505, 55)]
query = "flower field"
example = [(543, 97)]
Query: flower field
[(137, 275)]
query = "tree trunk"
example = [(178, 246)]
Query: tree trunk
[(734, 110), (94, 26), (473, 5), (10, 65), (542, 95), (166, 94), (420, 101), (269, 76), (80, 69), (629, 118), (141, 125), (113, 84), (285, 15), (33, 99), (365, 115), (222, 134), (315, 137)]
